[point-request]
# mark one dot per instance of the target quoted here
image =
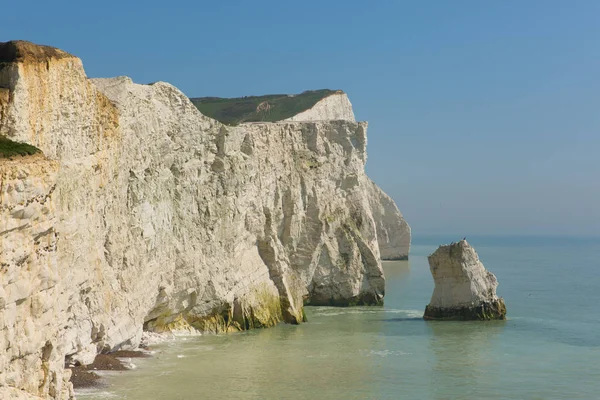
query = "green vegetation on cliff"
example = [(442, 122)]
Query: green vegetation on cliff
[(8, 148), (268, 108)]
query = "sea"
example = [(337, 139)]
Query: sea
[(548, 348)]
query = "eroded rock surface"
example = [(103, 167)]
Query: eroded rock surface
[(464, 289), (145, 214)]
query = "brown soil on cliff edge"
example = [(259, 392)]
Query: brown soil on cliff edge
[(83, 376), (23, 51)]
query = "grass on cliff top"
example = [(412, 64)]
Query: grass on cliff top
[(8, 148), (268, 108)]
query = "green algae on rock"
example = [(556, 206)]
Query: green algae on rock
[(484, 312), (261, 307)]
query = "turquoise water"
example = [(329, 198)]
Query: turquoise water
[(548, 349)]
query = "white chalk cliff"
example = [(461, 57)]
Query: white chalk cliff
[(336, 106), (142, 213), (464, 289)]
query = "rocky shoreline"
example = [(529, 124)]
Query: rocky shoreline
[(84, 376)]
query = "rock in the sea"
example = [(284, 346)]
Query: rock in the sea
[(464, 289)]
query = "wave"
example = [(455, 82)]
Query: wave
[(385, 353), (98, 394), (331, 312)]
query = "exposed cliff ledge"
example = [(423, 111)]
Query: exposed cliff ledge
[(145, 213)]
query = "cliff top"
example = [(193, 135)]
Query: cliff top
[(21, 50), (267, 108)]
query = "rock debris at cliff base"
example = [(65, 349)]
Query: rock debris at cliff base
[(84, 376)]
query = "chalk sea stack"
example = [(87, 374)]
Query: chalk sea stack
[(464, 289)]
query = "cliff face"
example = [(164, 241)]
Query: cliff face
[(33, 302), (144, 213)]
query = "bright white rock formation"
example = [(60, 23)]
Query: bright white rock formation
[(393, 232), (334, 107), (143, 214), (464, 289)]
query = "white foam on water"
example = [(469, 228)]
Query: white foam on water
[(184, 334), (414, 313), (104, 373), (152, 338), (398, 311), (96, 393), (317, 356), (165, 373), (204, 347), (384, 353), (332, 312), (328, 314)]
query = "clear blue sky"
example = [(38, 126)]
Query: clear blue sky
[(484, 115)]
